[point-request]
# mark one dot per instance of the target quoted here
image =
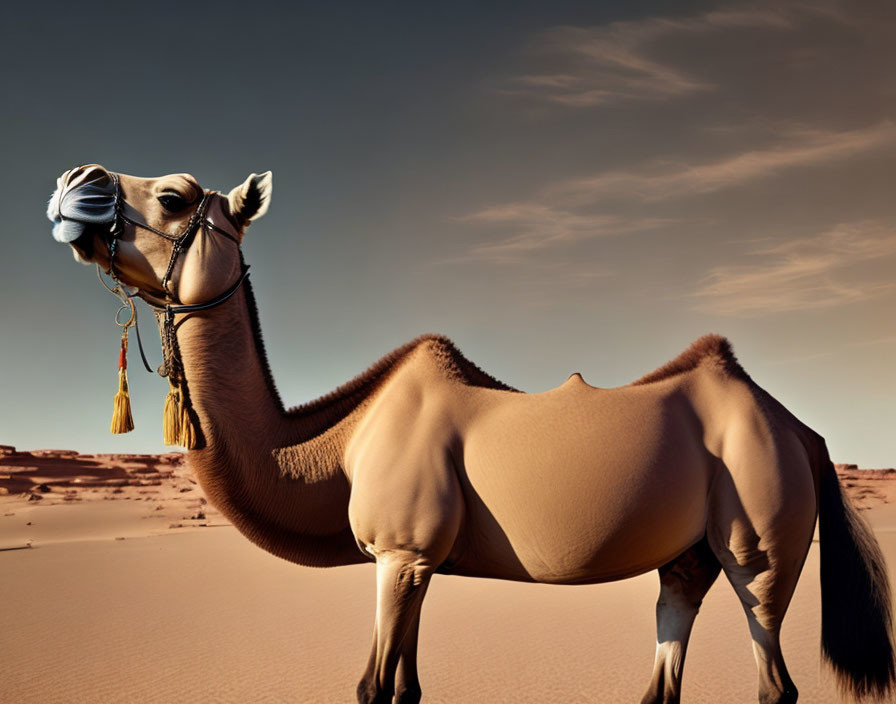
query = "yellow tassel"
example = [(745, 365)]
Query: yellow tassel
[(122, 420), (187, 431), (171, 418)]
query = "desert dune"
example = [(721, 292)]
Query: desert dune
[(122, 584)]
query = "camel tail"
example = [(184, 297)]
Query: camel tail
[(856, 611)]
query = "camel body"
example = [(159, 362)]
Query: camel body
[(426, 464), (573, 485)]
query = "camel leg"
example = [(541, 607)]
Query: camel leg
[(407, 685), (683, 584), (761, 536), (366, 689), (765, 596), (401, 581)]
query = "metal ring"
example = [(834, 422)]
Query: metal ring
[(128, 305)]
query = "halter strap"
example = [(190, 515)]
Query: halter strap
[(165, 311), (161, 307)]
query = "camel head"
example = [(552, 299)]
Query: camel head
[(148, 215)]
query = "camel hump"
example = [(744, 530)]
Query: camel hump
[(713, 349), (454, 364)]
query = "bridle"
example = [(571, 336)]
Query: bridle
[(180, 243), (165, 311)]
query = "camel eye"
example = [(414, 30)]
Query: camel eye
[(172, 202)]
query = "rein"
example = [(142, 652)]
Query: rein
[(180, 426)]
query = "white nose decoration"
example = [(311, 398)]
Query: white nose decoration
[(80, 199)]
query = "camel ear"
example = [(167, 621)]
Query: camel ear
[(250, 201)]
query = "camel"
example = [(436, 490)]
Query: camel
[(425, 463)]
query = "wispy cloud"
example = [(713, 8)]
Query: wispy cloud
[(801, 274), (539, 225), (618, 61), (665, 179), (572, 210)]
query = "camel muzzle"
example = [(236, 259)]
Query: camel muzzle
[(84, 196)]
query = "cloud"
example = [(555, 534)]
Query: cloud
[(573, 210), (802, 274), (666, 179), (618, 61), (768, 120), (538, 226)]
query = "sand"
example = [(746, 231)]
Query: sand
[(134, 590)]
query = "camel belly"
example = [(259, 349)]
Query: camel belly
[(581, 487)]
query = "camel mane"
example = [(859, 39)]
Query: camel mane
[(714, 348), (455, 364)]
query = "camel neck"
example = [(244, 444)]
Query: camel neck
[(227, 382), (251, 465)]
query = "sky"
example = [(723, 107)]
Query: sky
[(558, 187)]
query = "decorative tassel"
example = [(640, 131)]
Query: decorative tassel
[(171, 428), (122, 421), (177, 423), (178, 427), (187, 431)]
